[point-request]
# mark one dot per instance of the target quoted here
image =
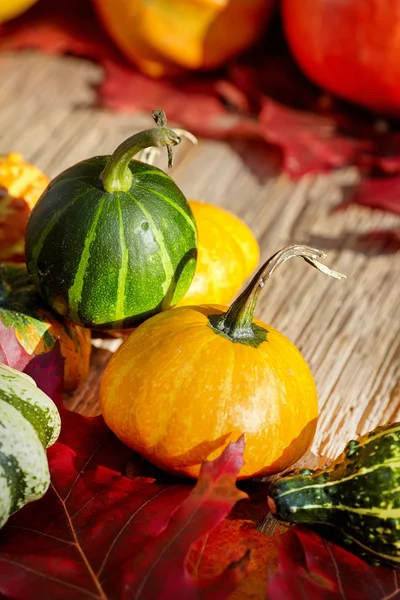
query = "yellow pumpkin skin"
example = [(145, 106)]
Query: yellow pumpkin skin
[(177, 392), (12, 8), (21, 185), (163, 36), (228, 253)]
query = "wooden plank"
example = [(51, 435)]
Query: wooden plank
[(348, 331)]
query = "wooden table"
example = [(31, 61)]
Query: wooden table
[(349, 332)]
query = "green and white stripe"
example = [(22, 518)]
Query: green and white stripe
[(29, 422), (110, 260)]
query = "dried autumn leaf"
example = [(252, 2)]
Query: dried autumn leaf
[(150, 572), (231, 103), (12, 353), (311, 568), (98, 534), (196, 103), (309, 141), (384, 155), (379, 192), (232, 538), (46, 369), (48, 372), (387, 239), (58, 28)]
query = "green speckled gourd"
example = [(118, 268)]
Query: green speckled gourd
[(113, 240), (29, 423), (355, 501)]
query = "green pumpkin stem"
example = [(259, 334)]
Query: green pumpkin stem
[(237, 321), (117, 176)]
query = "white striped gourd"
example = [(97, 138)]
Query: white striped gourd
[(29, 423), (355, 501)]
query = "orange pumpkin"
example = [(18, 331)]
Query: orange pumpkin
[(227, 255), (21, 185), (162, 36), (190, 380)]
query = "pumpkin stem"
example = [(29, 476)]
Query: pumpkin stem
[(237, 321), (117, 176)]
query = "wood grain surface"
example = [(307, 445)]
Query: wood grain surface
[(348, 331)]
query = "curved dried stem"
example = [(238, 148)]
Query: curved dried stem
[(151, 155), (117, 176), (237, 321)]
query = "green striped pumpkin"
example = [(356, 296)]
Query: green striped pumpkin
[(29, 423), (355, 501), (112, 240)]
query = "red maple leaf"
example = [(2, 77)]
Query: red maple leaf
[(46, 369), (385, 239), (234, 102), (12, 353), (99, 534), (379, 192), (310, 142), (310, 568), (384, 155)]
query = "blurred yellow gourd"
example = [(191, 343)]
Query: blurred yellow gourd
[(228, 253), (161, 36), (12, 8), (21, 185)]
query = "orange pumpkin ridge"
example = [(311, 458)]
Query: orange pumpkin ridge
[(190, 380)]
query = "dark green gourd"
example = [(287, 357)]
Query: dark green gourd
[(356, 500), (113, 240)]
